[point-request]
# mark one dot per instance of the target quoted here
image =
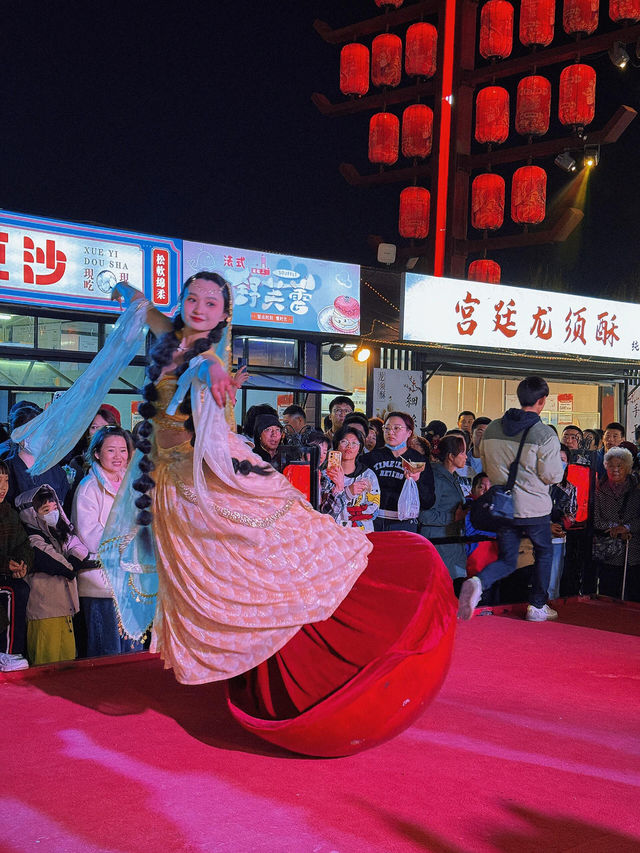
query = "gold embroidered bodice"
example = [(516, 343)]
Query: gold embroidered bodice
[(166, 388)]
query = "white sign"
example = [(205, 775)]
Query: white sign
[(475, 314), (633, 412), (397, 391)]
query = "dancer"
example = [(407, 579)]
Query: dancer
[(225, 598)]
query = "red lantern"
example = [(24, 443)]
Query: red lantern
[(580, 16), (496, 29), (537, 22), (413, 221), (577, 95), (487, 202), (492, 115), (384, 132), (417, 131), (392, 4), (420, 50), (386, 60), (622, 11), (354, 69), (528, 195), (533, 106), (484, 270)]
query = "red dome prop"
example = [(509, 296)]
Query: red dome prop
[(577, 95), (529, 195), (484, 270), (384, 133), (623, 11), (386, 60), (413, 218), (496, 29), (421, 44), (492, 115), (417, 131), (533, 106), (580, 16), (487, 202), (359, 678), (354, 69), (537, 22)]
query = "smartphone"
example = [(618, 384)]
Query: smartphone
[(334, 459)]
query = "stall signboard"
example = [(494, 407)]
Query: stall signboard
[(284, 292), (397, 391), (493, 316), (48, 263)]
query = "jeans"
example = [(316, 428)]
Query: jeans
[(557, 565), (382, 524), (539, 531)]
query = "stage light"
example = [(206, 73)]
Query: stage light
[(566, 162), (618, 55), (591, 156), (362, 353)]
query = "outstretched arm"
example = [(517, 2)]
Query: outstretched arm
[(126, 294)]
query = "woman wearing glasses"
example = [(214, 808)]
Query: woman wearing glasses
[(349, 491), (389, 464)]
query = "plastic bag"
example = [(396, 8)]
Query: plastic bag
[(409, 500)]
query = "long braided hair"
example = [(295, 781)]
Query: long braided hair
[(161, 355)]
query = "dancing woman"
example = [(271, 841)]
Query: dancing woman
[(242, 560)]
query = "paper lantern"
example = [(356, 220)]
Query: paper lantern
[(484, 270), (386, 60), (580, 16), (413, 220), (354, 69), (417, 131), (487, 202), (384, 133), (622, 11), (391, 4), (533, 106), (492, 115), (537, 22), (577, 95), (421, 44), (496, 29), (529, 195)]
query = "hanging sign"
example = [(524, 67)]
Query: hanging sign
[(398, 391), (474, 314), (283, 291), (52, 264)]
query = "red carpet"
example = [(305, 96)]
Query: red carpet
[(532, 744)]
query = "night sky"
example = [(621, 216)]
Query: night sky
[(195, 120)]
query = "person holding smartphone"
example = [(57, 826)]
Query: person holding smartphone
[(350, 492)]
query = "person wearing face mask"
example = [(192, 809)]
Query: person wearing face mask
[(58, 555), (446, 516)]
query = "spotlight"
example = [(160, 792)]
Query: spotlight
[(565, 162), (591, 156), (336, 352), (362, 353), (618, 55)]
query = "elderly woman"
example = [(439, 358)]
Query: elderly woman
[(349, 491), (617, 525)]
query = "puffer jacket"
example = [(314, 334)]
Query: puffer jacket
[(54, 590), (540, 464)]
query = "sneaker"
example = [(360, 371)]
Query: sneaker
[(12, 663), (470, 594), (541, 614)]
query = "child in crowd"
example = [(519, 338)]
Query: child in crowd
[(58, 554), (16, 558), (563, 513)]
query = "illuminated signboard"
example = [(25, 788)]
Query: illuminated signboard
[(283, 291), (53, 264), (473, 314)]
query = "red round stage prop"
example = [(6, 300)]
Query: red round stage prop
[(361, 677)]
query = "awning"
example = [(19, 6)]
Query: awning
[(301, 384)]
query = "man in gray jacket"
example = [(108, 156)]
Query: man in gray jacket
[(540, 466)]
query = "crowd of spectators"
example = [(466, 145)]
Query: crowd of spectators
[(373, 473)]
